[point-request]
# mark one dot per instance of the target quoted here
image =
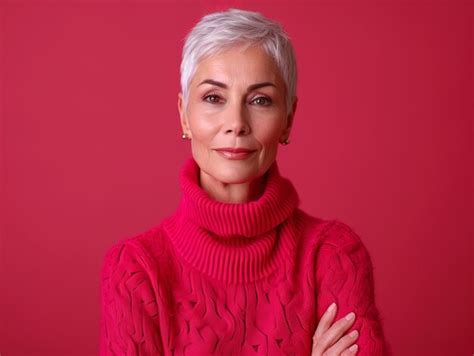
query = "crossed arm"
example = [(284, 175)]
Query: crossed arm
[(130, 320), (348, 280)]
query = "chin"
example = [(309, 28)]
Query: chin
[(234, 172), (236, 175)]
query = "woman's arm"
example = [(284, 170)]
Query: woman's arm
[(345, 276), (129, 315)]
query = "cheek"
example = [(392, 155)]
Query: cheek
[(268, 133), (202, 129)]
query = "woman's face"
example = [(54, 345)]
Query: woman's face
[(236, 102)]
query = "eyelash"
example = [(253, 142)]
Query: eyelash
[(269, 101)]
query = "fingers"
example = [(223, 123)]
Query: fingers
[(335, 332), (326, 321), (345, 346), (330, 340), (350, 351)]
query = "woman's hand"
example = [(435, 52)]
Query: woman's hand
[(328, 340)]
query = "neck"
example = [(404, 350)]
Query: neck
[(235, 243), (232, 193)]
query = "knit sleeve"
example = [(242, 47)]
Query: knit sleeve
[(129, 313), (345, 276)]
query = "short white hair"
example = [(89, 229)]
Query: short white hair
[(219, 31)]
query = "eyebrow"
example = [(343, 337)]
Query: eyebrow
[(224, 86)]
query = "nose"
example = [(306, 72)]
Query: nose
[(236, 120)]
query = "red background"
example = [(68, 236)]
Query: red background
[(91, 149)]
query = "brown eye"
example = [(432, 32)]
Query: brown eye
[(262, 101), (212, 98)]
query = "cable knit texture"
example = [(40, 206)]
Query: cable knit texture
[(236, 279)]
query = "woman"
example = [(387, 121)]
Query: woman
[(239, 269)]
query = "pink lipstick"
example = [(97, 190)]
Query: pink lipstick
[(235, 153)]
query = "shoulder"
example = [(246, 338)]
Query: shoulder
[(328, 239), (134, 252), (341, 249), (340, 235), (125, 256), (325, 233)]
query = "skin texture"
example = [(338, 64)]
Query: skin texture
[(235, 116)]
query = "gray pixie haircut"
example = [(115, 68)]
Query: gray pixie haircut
[(219, 31)]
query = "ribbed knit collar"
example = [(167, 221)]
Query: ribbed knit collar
[(233, 242)]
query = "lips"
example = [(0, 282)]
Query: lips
[(235, 152)]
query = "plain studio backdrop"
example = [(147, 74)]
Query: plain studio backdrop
[(91, 149)]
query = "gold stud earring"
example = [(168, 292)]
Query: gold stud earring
[(184, 136), (284, 143)]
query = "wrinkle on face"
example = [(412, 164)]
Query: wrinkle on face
[(237, 119)]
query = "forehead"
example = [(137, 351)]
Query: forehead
[(238, 64)]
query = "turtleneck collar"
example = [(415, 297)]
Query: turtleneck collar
[(235, 242)]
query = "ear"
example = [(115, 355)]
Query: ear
[(183, 116), (289, 120)]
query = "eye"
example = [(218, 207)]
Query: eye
[(262, 101), (212, 98)]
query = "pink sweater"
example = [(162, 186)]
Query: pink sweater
[(236, 279)]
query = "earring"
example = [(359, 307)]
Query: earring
[(284, 143), (184, 136)]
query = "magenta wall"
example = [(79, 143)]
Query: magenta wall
[(91, 148)]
